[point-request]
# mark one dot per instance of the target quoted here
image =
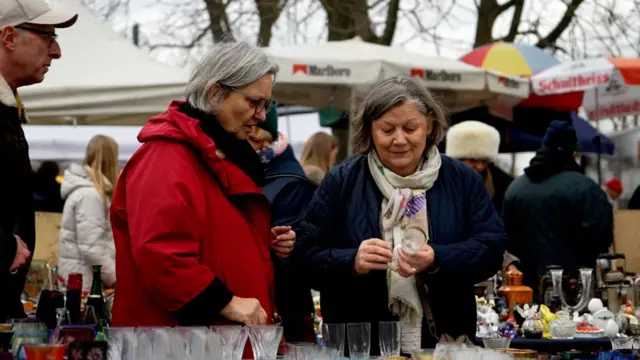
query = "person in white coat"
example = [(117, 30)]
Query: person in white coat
[(86, 238)]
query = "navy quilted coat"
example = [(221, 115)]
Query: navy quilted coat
[(467, 238)]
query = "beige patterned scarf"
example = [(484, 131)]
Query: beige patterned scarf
[(404, 219)]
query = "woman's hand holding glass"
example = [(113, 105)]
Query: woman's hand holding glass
[(283, 240), (373, 254), (411, 264)]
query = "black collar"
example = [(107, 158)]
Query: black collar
[(240, 152)]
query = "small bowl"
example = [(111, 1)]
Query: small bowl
[(496, 343)]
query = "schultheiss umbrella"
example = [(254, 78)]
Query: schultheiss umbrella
[(611, 86)]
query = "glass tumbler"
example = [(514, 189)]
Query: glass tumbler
[(359, 338), (389, 335)]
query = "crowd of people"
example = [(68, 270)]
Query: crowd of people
[(214, 220)]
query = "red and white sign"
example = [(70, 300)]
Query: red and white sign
[(573, 76)]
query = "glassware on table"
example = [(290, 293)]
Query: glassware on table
[(122, 341), (265, 340), (196, 341), (389, 335), (333, 336), (359, 339), (622, 343), (310, 351), (562, 327), (496, 342), (28, 331), (234, 340), (423, 354), (159, 343)]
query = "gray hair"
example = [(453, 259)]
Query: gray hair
[(388, 94), (231, 64)]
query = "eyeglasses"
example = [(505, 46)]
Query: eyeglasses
[(51, 36), (257, 103)]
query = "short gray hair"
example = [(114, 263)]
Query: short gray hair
[(385, 96), (231, 64)]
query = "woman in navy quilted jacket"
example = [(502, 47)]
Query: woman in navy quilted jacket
[(401, 232)]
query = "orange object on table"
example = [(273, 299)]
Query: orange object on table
[(45, 351), (514, 292)]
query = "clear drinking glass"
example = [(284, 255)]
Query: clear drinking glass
[(265, 340), (389, 335), (413, 240), (359, 339), (333, 337), (122, 342), (234, 339), (195, 340)]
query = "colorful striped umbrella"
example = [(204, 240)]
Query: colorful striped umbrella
[(522, 60), (511, 59)]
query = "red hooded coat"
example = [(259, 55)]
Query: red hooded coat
[(183, 215)]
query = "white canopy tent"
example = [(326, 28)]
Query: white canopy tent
[(101, 78), (69, 143), (326, 74)]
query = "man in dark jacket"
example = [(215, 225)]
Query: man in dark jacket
[(27, 47), (289, 193), (553, 214)]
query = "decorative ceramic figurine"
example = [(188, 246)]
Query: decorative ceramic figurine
[(628, 308), (602, 317), (611, 329), (532, 327), (547, 318), (487, 322), (595, 304)]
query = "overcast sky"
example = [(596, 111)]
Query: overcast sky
[(455, 32)]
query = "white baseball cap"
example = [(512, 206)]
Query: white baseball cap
[(16, 12)]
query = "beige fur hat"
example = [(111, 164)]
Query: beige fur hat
[(473, 140)]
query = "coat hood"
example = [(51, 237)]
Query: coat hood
[(235, 167), (76, 177), (548, 162), (174, 125)]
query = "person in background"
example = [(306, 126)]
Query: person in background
[(191, 223), (319, 155), (400, 190), (553, 214), (46, 188), (476, 144), (613, 189), (289, 193), (27, 47), (85, 231)]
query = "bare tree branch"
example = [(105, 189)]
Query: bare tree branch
[(553, 36)]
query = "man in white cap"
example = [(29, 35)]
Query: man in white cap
[(477, 144), (27, 47)]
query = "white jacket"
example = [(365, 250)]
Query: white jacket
[(86, 238)]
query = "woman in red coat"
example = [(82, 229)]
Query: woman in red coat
[(190, 221)]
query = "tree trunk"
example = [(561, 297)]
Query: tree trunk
[(345, 20), (269, 11), (219, 22)]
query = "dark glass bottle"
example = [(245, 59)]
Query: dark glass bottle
[(74, 296), (96, 297)]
